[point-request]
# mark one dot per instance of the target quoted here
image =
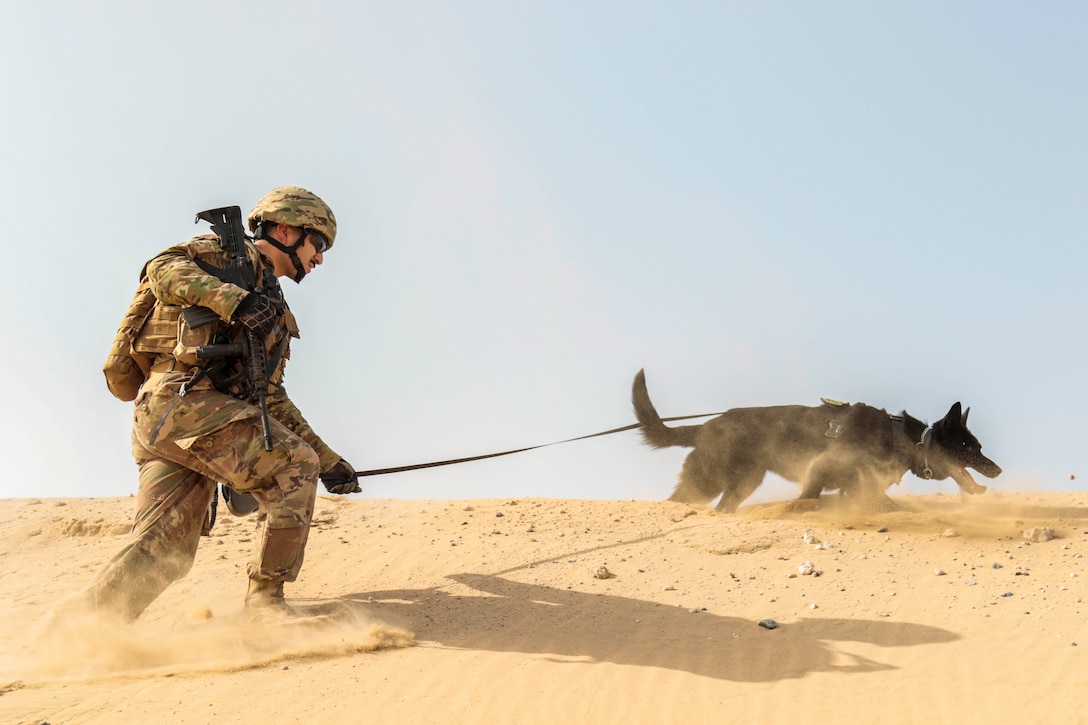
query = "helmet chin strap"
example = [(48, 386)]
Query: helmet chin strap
[(292, 252)]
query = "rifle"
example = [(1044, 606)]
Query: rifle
[(226, 222)]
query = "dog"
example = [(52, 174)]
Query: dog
[(855, 449)]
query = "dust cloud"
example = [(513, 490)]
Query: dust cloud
[(83, 645)]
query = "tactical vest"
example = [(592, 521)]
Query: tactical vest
[(151, 329)]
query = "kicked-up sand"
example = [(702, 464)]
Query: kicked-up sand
[(546, 611)]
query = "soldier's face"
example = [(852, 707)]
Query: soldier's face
[(309, 250), (310, 253)]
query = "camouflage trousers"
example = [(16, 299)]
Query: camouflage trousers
[(200, 438)]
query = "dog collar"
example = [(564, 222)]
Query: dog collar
[(923, 441)]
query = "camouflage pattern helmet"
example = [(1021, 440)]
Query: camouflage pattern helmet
[(295, 207)]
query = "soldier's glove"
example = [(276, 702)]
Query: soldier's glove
[(257, 314), (341, 478)]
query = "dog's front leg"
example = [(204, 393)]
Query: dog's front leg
[(812, 489)]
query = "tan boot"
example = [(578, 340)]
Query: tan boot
[(266, 595)]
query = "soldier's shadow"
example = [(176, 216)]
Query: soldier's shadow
[(507, 616)]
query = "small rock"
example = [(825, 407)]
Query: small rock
[(806, 569), (602, 573), (950, 533), (939, 572), (970, 582), (768, 624), (997, 566)]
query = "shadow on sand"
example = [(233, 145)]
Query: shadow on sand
[(506, 616)]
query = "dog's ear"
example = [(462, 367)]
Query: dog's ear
[(963, 421), (954, 415)]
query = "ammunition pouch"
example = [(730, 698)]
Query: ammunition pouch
[(188, 339)]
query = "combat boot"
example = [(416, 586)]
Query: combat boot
[(266, 595)]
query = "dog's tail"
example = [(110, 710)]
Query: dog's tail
[(654, 431)]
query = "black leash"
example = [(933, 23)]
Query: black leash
[(434, 464)]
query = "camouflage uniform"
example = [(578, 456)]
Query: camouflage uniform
[(184, 442)]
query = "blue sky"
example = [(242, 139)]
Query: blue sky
[(759, 203)]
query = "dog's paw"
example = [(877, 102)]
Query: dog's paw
[(802, 505), (880, 505)]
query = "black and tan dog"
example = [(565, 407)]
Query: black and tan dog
[(856, 449)]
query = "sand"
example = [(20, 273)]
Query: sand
[(543, 611)]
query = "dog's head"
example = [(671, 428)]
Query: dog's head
[(952, 449)]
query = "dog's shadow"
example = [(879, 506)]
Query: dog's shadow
[(507, 616)]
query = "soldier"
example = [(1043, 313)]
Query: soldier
[(194, 426)]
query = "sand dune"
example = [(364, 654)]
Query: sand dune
[(542, 611)]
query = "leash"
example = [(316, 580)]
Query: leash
[(434, 464)]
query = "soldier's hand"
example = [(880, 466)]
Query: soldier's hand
[(257, 313), (341, 478)]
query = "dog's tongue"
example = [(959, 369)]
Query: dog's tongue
[(967, 484)]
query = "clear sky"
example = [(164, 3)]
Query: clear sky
[(757, 202)]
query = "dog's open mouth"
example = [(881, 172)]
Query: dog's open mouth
[(986, 467), (967, 484)]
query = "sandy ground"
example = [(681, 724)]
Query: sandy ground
[(492, 611)]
